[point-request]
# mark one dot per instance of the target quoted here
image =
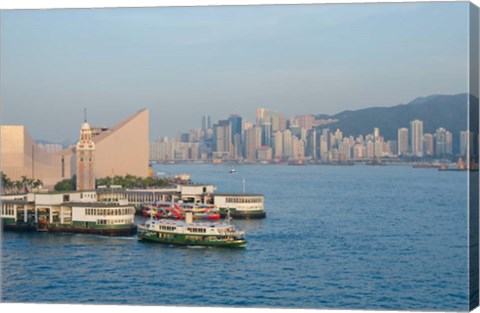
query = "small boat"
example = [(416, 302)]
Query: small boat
[(233, 171), (189, 233)]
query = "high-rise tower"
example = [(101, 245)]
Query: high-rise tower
[(402, 141), (85, 159), (416, 129)]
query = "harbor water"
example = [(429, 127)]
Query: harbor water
[(341, 237)]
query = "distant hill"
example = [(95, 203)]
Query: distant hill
[(435, 111)]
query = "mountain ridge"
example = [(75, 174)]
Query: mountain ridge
[(447, 111)]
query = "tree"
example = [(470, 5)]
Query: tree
[(64, 185), (7, 183), (17, 185), (131, 181), (37, 183)]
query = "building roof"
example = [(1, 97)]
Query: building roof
[(96, 204), (107, 133), (17, 202), (238, 194)]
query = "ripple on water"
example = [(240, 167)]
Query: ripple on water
[(328, 242)]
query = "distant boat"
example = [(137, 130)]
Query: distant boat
[(233, 171)]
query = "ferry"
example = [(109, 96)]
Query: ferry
[(67, 212), (240, 206), (233, 171), (177, 211), (188, 233)]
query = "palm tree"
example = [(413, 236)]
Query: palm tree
[(7, 183), (37, 183), (17, 185), (27, 183)]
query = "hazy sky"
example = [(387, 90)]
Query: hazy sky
[(182, 63)]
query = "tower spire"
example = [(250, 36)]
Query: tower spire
[(85, 114)]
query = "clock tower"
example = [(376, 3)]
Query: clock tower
[(85, 159)]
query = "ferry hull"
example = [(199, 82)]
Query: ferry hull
[(18, 227), (237, 214), (119, 231), (113, 232), (181, 240)]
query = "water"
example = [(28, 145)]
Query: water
[(349, 237)]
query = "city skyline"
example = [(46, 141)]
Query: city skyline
[(180, 62), (273, 137)]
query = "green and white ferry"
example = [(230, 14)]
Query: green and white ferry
[(188, 233), (66, 212), (240, 206)]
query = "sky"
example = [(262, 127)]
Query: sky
[(186, 62)]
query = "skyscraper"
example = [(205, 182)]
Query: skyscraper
[(278, 144), (259, 115), (324, 145), (222, 134), (206, 122), (444, 142), (416, 129), (311, 149), (403, 141), (428, 144), (305, 121), (448, 143), (376, 133), (266, 134), (287, 143), (465, 141), (236, 125), (252, 142)]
